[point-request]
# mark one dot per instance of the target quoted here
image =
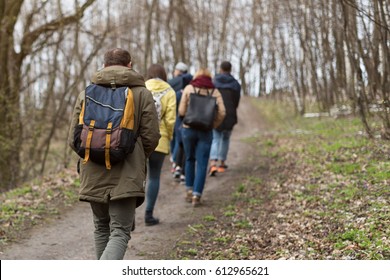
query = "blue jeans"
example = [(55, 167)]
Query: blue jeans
[(172, 145), (177, 141), (197, 145), (113, 222), (155, 164), (220, 145)]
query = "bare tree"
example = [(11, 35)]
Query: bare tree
[(313, 53), (11, 62)]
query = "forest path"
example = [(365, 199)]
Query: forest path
[(70, 236)]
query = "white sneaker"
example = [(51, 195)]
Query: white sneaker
[(177, 173), (182, 179)]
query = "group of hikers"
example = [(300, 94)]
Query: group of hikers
[(155, 126)]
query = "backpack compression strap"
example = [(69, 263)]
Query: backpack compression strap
[(107, 146), (89, 139)]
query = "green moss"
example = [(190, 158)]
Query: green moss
[(209, 218)]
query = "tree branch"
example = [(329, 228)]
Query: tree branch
[(366, 14), (50, 27)]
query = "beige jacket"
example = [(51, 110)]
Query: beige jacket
[(185, 99)]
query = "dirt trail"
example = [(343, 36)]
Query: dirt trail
[(71, 235)]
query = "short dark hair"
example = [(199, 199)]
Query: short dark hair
[(117, 56), (226, 66), (156, 71)]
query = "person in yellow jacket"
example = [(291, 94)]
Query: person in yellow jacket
[(165, 102)]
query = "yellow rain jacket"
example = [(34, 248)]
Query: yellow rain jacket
[(168, 111)]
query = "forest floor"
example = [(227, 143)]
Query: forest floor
[(316, 189)]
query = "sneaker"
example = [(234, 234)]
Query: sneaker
[(177, 173), (173, 168), (182, 179), (221, 168), (189, 196), (213, 170), (195, 201)]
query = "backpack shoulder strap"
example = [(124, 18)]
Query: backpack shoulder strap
[(210, 93), (81, 116), (128, 115), (160, 94), (196, 92)]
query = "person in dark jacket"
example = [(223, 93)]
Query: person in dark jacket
[(114, 194), (230, 91), (180, 76), (181, 79)]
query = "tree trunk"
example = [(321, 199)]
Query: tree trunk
[(10, 82), (10, 132)]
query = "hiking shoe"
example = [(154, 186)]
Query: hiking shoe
[(195, 201), (221, 168), (189, 196), (213, 170)]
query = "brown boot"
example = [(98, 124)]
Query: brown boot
[(195, 201), (189, 196)]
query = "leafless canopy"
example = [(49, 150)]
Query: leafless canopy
[(325, 53)]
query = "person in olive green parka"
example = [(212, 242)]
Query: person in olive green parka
[(114, 194)]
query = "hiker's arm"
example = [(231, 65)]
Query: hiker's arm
[(184, 101), (170, 113), (75, 120), (238, 95), (149, 127), (221, 112)]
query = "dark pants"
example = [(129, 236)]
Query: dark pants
[(155, 164)]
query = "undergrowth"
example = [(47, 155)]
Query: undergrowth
[(325, 195), (35, 202)]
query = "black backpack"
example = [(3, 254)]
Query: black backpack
[(201, 111)]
